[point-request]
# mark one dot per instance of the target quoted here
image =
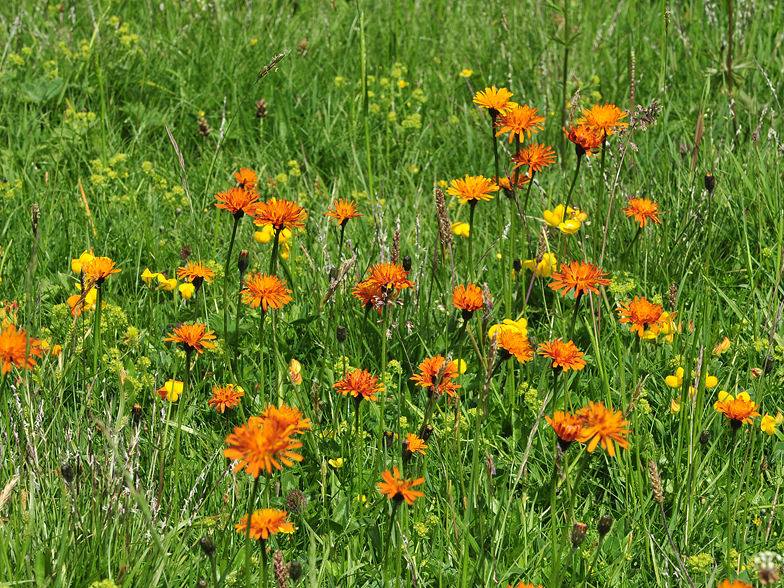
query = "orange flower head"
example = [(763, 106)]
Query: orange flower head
[(536, 157), (398, 489), (515, 343), (369, 293), (264, 290), (641, 314), (522, 584), (99, 268), (605, 425), (414, 444), (436, 376), (13, 349), (643, 210), (506, 182), (580, 277), (472, 189), (361, 385), (246, 179), (238, 201), (494, 99), (258, 445), (390, 277), (265, 522), (568, 427), (604, 120), (733, 584), (342, 211), (224, 397), (281, 214), (468, 299), (586, 142), (288, 417), (739, 410), (519, 120), (193, 337), (196, 273), (564, 355)]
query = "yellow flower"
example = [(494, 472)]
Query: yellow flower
[(147, 275), (722, 347), (674, 406), (171, 390), (461, 229), (667, 327), (545, 267), (462, 365), (576, 214), (569, 226), (769, 423), (167, 285), (442, 184), (336, 463), (284, 251), (186, 290), (402, 84), (555, 217), (268, 232), (520, 326), (675, 381), (76, 264), (466, 73)]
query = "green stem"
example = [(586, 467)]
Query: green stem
[(340, 246), (261, 356), (226, 281), (358, 448), (97, 334), (263, 578), (595, 560), (472, 204), (565, 68), (181, 407), (239, 314), (728, 484), (574, 313), (274, 258), (554, 532), (574, 180), (395, 506), (252, 502), (600, 200), (528, 193)]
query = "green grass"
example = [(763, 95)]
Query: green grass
[(86, 96)]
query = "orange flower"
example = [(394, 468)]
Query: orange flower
[(428, 376), (265, 522), (739, 410), (733, 584), (537, 157), (506, 183), (238, 201), (246, 178), (369, 293), (564, 355), (519, 120), (224, 397), (196, 273), (495, 100), (398, 489), (568, 427), (288, 417), (258, 445), (721, 347), (390, 277), (586, 142), (281, 214), (472, 189), (522, 584), (13, 348), (605, 425), (580, 277), (362, 385), (467, 298), (414, 444), (515, 343), (264, 290), (342, 211), (642, 315), (193, 337), (643, 209), (99, 268), (603, 120)]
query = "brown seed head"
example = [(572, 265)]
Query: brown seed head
[(656, 484)]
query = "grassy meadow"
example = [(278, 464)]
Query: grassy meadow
[(430, 446)]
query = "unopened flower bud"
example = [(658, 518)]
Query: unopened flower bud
[(705, 437), (389, 436), (605, 524), (578, 534), (710, 182), (767, 367), (242, 261), (295, 570), (517, 265), (202, 583), (407, 263), (136, 411), (67, 471), (341, 334), (333, 274), (427, 432), (207, 546)]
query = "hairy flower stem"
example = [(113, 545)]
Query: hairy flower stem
[(239, 313), (728, 485), (595, 560), (600, 199), (274, 258), (181, 406), (261, 357), (97, 335), (565, 72), (574, 180), (340, 245), (395, 507), (263, 578), (358, 446), (498, 206), (471, 270), (574, 315), (251, 504), (672, 544), (554, 533), (237, 219)]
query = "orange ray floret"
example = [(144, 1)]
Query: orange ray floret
[(428, 376), (390, 276), (733, 584), (515, 343), (641, 314), (99, 268), (604, 119), (643, 210), (467, 298), (580, 277), (519, 120), (288, 417), (506, 182), (568, 427), (13, 349), (342, 211), (281, 214), (196, 272), (398, 489), (739, 410), (564, 355), (414, 444), (536, 157), (586, 142), (246, 178), (264, 290), (265, 522), (361, 385), (522, 584), (259, 445), (472, 189), (494, 99), (603, 425), (369, 293), (224, 397), (238, 201), (193, 337)]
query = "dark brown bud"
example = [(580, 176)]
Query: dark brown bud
[(467, 314), (407, 263), (261, 108), (770, 362), (427, 432), (67, 471), (605, 524), (295, 570), (578, 534), (517, 265), (243, 261), (136, 412), (389, 437), (341, 334), (207, 546), (710, 182), (705, 437)]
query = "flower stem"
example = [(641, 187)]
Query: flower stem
[(239, 313), (340, 245), (728, 484), (252, 502), (263, 578), (97, 334), (574, 315), (181, 406), (358, 447), (600, 200), (274, 258), (574, 179), (226, 282), (261, 356), (472, 204), (554, 532)]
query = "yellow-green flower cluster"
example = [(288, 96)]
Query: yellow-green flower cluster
[(530, 396), (294, 170), (621, 284), (8, 190)]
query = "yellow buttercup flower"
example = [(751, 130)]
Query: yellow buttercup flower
[(466, 73), (768, 423), (675, 381), (569, 226), (545, 267), (336, 463), (576, 214), (554, 217), (186, 290), (76, 264)]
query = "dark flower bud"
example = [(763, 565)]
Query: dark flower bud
[(341, 334), (207, 546), (605, 524), (467, 314), (406, 453), (407, 263), (767, 367), (296, 501), (185, 253), (705, 437), (136, 411), (427, 432), (67, 471), (242, 261), (389, 436), (517, 264), (202, 583), (177, 211), (710, 182), (295, 570), (578, 534)]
